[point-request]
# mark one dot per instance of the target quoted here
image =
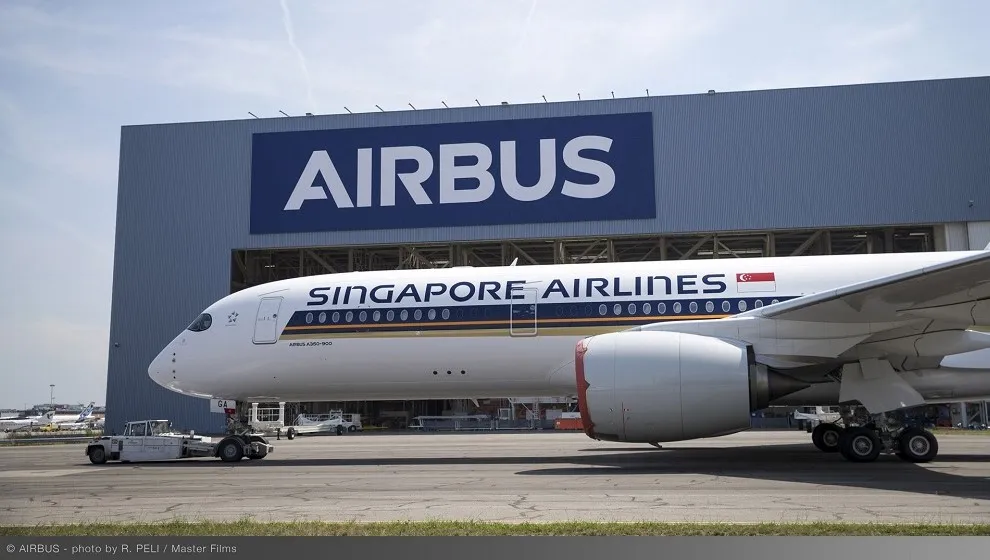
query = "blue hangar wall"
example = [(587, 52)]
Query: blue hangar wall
[(190, 193)]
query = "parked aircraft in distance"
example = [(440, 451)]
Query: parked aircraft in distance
[(654, 351), (49, 418)]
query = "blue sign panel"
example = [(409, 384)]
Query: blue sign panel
[(567, 169)]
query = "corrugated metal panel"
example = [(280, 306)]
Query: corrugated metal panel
[(979, 235), (956, 237), (819, 157), (853, 155)]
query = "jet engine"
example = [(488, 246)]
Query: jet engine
[(655, 386)]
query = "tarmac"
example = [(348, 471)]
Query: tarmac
[(531, 476)]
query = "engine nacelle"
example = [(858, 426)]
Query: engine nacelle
[(656, 386)]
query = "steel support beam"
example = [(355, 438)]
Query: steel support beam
[(253, 267), (694, 248), (804, 246), (318, 260)]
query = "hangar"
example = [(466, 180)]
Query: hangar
[(208, 208)]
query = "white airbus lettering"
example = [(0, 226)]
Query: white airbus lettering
[(450, 172), (412, 181), (548, 171), (319, 164), (478, 169), (604, 172)]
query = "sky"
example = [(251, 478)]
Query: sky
[(73, 73)]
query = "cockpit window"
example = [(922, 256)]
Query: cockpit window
[(201, 323)]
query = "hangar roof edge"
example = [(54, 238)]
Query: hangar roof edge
[(605, 100)]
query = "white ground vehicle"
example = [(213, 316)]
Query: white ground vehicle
[(271, 420), (154, 440), (821, 415), (336, 422)]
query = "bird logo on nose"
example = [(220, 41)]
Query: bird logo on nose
[(232, 318)]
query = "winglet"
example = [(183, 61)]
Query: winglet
[(987, 248)]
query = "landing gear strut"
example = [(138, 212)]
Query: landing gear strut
[(863, 438)]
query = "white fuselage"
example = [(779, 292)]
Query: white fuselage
[(46, 419), (454, 332), (19, 423)]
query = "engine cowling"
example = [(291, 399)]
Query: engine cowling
[(656, 386)]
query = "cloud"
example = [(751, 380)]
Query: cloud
[(52, 176), (56, 318), (72, 235), (75, 73), (524, 29), (865, 38), (287, 22), (51, 349), (462, 51), (200, 61)]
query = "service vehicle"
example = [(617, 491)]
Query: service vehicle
[(336, 422), (155, 440), (271, 420)]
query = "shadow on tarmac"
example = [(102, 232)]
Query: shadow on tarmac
[(792, 463)]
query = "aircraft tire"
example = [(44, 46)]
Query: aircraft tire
[(352, 428), (291, 433), (339, 430), (917, 446), (860, 445), (826, 437)]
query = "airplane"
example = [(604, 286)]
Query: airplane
[(654, 351), (10, 424), (49, 418), (69, 422)]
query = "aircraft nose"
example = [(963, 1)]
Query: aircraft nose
[(160, 369)]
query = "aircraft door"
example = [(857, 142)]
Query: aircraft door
[(266, 322), (522, 314)]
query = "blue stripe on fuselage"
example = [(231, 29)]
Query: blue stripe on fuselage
[(497, 315)]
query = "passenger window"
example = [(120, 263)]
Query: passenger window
[(201, 323)]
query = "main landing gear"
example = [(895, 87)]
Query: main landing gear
[(880, 433)]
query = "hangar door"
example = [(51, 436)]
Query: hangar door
[(266, 323)]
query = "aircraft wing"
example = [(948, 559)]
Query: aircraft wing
[(907, 321), (912, 319), (956, 292)]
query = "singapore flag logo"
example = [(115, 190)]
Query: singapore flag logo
[(756, 282)]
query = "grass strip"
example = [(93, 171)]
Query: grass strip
[(249, 527), (960, 432)]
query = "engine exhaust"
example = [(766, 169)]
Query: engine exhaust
[(767, 385)]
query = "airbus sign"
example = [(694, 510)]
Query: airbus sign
[(497, 172)]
